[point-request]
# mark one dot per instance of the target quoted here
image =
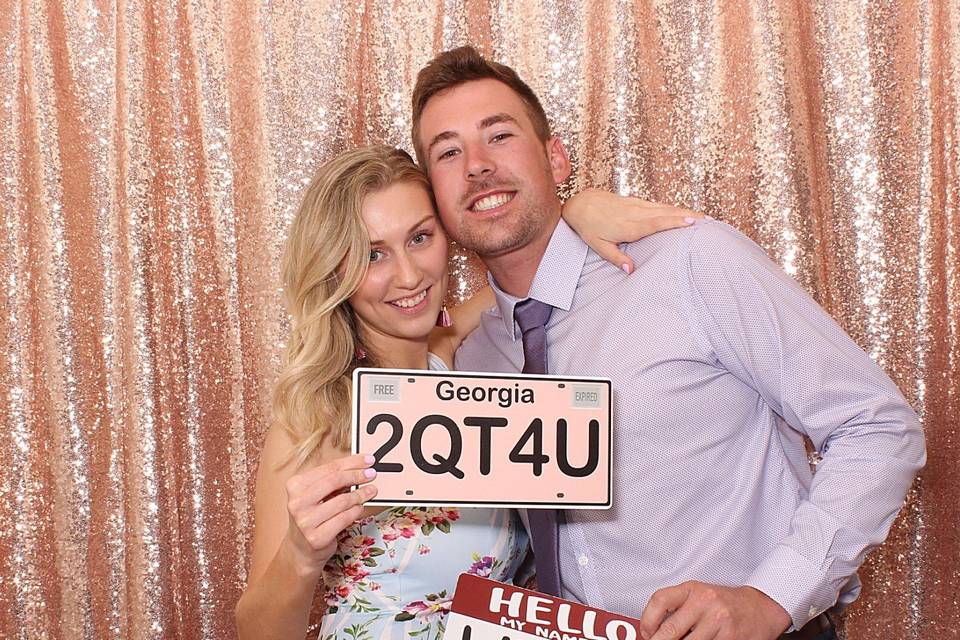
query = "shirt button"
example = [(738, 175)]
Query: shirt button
[(583, 561), (814, 612)]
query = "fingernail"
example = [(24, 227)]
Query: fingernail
[(370, 473), (709, 217), (689, 220), (626, 268), (369, 459)]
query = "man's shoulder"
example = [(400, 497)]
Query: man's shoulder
[(708, 241)]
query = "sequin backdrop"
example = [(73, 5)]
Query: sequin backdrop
[(152, 154)]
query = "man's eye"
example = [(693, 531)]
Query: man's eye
[(449, 153), (501, 136)]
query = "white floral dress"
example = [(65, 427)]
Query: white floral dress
[(394, 574)]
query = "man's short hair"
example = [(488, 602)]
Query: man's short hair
[(463, 64)]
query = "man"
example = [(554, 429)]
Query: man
[(720, 364)]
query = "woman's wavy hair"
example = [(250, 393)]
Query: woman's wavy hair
[(324, 261)]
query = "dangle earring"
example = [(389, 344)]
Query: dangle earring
[(360, 354), (443, 319)]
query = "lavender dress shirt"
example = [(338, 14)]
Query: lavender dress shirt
[(720, 363)]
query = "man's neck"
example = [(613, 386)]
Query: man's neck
[(514, 272)]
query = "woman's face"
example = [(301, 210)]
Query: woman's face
[(405, 284)]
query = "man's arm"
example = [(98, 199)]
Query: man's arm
[(762, 327)]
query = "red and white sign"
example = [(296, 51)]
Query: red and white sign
[(488, 610), (470, 439)]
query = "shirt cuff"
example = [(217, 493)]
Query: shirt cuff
[(795, 584)]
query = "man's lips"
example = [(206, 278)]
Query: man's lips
[(491, 200)]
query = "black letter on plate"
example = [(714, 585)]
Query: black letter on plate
[(394, 421), (593, 450), (446, 465), (485, 424)]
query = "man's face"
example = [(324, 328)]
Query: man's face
[(493, 179)]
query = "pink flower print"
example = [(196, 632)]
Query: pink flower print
[(355, 571), (408, 532), (390, 537), (343, 590), (453, 515), (423, 549), (434, 606), (374, 586)]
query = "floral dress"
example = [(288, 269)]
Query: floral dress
[(394, 574)]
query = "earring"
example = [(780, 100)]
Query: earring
[(444, 319), (360, 354)]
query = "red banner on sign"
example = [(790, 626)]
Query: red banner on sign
[(484, 609)]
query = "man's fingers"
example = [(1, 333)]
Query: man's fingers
[(662, 602), (678, 623)]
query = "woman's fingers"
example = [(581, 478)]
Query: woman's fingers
[(610, 251), (322, 524), (316, 484)]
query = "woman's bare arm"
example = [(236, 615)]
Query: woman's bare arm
[(298, 514)]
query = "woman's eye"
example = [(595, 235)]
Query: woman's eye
[(376, 255), (420, 238)]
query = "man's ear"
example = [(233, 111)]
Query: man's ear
[(558, 158)]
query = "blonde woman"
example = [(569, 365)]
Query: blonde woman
[(365, 274)]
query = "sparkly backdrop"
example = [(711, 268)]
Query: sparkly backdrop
[(152, 154)]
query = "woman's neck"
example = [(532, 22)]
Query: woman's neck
[(400, 353)]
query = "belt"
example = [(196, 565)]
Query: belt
[(813, 630)]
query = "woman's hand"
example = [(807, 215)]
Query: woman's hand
[(321, 505), (604, 220)]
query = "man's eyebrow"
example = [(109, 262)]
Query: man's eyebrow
[(496, 118), (489, 121), (440, 137)]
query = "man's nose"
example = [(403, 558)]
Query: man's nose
[(479, 164)]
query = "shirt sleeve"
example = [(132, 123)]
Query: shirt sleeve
[(762, 327)]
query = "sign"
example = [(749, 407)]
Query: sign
[(469, 439), (484, 609)]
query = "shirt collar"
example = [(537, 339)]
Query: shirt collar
[(555, 281)]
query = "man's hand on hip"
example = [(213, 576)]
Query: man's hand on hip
[(700, 611)]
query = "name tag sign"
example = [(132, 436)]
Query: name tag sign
[(470, 439), (484, 609)]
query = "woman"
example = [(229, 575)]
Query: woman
[(365, 274)]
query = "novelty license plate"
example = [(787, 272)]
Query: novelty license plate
[(471, 439)]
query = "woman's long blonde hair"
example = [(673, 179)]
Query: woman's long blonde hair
[(324, 261)]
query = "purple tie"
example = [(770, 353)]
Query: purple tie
[(532, 316)]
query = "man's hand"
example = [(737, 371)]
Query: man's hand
[(700, 611)]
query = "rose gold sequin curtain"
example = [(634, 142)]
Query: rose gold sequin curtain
[(152, 154)]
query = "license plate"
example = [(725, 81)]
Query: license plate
[(472, 439)]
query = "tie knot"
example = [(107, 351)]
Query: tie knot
[(531, 314)]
